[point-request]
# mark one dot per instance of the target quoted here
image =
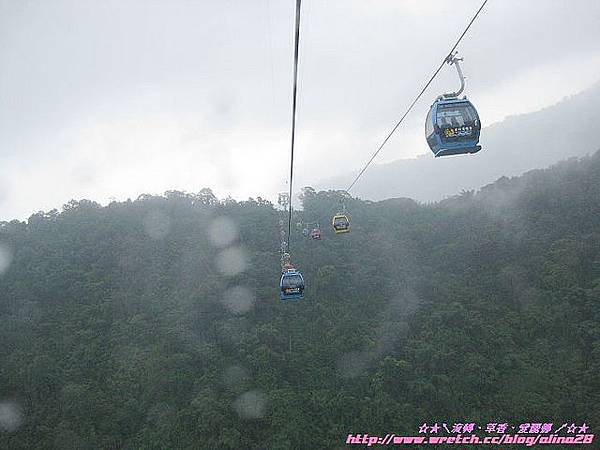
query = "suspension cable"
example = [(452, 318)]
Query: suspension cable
[(295, 91), (446, 58)]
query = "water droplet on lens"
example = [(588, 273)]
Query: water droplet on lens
[(251, 405), (5, 258), (11, 416), (223, 231), (232, 261), (238, 299), (157, 224)]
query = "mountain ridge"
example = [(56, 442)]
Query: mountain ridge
[(511, 147), (156, 323)]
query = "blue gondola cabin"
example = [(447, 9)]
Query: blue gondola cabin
[(452, 127), (291, 285)]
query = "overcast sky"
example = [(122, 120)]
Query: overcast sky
[(102, 99)]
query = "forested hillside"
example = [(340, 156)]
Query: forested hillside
[(156, 324)]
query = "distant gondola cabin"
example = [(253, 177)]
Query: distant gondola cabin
[(291, 285), (340, 223)]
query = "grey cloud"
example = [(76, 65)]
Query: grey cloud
[(222, 69)]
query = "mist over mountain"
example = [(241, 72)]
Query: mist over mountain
[(511, 147), (156, 324)]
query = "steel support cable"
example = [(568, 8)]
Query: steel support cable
[(294, 94), (446, 58)]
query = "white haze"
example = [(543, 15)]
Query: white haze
[(113, 99)]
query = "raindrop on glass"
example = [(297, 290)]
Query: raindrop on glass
[(5, 258), (232, 261), (11, 416), (238, 299), (353, 364), (222, 232), (157, 224), (251, 405), (235, 376)]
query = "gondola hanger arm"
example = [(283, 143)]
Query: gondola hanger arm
[(453, 60)]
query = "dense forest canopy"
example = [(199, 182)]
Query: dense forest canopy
[(156, 324)]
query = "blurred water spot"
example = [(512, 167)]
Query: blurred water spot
[(11, 416), (238, 299), (5, 258), (29, 313), (202, 348), (234, 330), (353, 364), (251, 405), (157, 224), (160, 413), (222, 231), (235, 376), (232, 261), (126, 261)]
